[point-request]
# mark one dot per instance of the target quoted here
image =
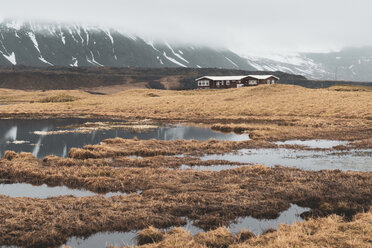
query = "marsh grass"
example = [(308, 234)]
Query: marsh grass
[(210, 199), (270, 112), (332, 231)]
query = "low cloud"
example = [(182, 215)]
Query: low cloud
[(245, 26)]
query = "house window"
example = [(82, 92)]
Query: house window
[(203, 83), (227, 82), (252, 82)]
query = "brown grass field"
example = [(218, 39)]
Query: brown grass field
[(270, 112), (211, 199)]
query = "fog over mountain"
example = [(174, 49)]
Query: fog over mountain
[(318, 39), (41, 45)]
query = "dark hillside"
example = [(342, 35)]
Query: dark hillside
[(176, 78), (89, 77)]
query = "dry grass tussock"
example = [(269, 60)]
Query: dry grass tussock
[(162, 153), (125, 147), (137, 162), (281, 111), (332, 231), (59, 98)]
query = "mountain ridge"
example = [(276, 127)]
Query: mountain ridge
[(54, 44), (73, 45)]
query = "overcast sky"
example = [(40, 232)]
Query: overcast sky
[(244, 26)]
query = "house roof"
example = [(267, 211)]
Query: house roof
[(224, 78), (216, 78), (263, 76)]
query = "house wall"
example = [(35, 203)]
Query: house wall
[(233, 83), (204, 86), (247, 81), (223, 84), (217, 84)]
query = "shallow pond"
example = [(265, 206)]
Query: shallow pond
[(257, 226), (43, 191), (104, 239), (30, 135), (356, 160), (314, 143), (219, 167)]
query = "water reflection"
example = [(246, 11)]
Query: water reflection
[(257, 226), (43, 191), (41, 145), (11, 134), (357, 160), (104, 239), (314, 143), (219, 167)]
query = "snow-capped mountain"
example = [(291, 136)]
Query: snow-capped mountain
[(294, 64), (35, 44), (353, 64), (52, 44)]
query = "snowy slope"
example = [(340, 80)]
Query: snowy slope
[(35, 44), (54, 44), (294, 64), (354, 64)]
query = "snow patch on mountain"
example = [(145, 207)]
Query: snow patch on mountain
[(173, 60), (75, 62), (92, 60), (11, 58), (107, 32), (176, 54), (36, 45), (151, 44), (295, 64), (232, 62), (33, 39)]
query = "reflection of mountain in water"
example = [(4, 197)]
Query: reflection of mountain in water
[(59, 144), (196, 133)]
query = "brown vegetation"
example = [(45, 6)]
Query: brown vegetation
[(62, 97), (210, 199), (269, 112), (139, 162), (125, 147), (332, 231)]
